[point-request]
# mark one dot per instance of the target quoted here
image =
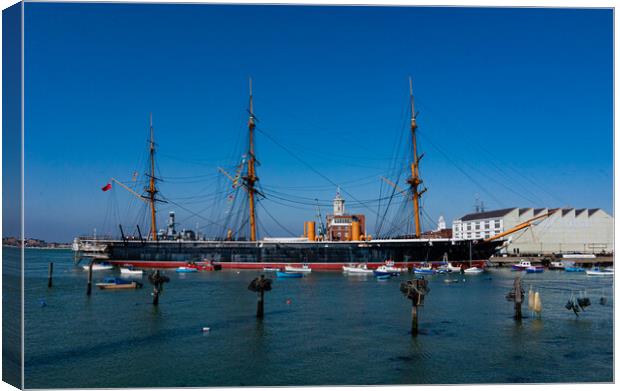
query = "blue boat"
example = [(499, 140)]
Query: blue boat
[(185, 269), (423, 270), (289, 275), (535, 269), (574, 269)]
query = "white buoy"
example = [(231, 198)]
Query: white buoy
[(530, 299), (205, 329)]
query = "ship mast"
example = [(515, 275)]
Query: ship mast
[(152, 190), (250, 179), (415, 181)]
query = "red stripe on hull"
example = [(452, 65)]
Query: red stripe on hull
[(337, 266)]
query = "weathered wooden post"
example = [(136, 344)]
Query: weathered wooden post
[(516, 295), (89, 286), (158, 281), (260, 285), (415, 290), (518, 298), (50, 270)]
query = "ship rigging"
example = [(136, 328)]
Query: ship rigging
[(234, 248)]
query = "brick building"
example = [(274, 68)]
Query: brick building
[(339, 224)]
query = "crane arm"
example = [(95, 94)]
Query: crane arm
[(518, 227), (130, 190)]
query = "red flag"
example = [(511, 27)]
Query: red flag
[(106, 187)]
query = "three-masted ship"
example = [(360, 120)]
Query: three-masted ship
[(319, 252)]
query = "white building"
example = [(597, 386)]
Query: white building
[(563, 231)]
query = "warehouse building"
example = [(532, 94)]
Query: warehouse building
[(564, 230)]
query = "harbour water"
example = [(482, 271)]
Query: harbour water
[(325, 328)]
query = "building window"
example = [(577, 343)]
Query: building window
[(487, 225), (496, 223)]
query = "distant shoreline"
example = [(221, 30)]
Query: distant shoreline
[(39, 248)]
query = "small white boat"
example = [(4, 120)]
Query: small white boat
[(130, 270), (452, 268), (557, 265), (271, 269), (303, 269), (523, 265), (362, 268), (424, 269), (390, 267), (473, 270), (599, 272), (99, 266), (383, 269)]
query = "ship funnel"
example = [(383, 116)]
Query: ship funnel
[(355, 231), (311, 231)]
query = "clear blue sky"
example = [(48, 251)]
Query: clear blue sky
[(515, 105)]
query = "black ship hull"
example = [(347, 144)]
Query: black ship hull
[(326, 255)]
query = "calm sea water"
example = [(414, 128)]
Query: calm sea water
[(334, 330)]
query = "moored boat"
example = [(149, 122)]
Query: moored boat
[(281, 274), (448, 267), (535, 269), (271, 269), (390, 267), (557, 265), (386, 270), (131, 270), (99, 266), (118, 283), (523, 265), (362, 268), (424, 269), (473, 270), (186, 269), (574, 269), (599, 272), (305, 268)]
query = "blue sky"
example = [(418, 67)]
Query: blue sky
[(515, 105)]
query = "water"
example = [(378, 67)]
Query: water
[(336, 330)]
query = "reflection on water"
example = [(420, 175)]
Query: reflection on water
[(325, 328)]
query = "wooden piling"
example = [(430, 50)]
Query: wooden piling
[(415, 290), (260, 285), (414, 320), (518, 314), (90, 278), (517, 296), (157, 280), (50, 270), (260, 305), (155, 296)]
